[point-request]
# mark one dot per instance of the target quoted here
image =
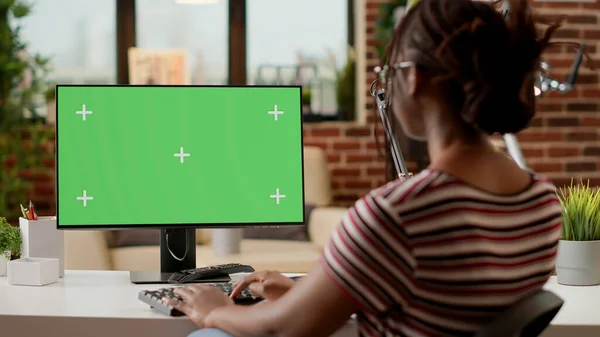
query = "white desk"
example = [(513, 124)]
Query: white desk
[(86, 303), (579, 316), (102, 303)]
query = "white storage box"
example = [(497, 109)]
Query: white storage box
[(31, 271), (42, 239)]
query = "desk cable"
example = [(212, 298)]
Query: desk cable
[(187, 248)]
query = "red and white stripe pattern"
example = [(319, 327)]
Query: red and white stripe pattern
[(435, 256)]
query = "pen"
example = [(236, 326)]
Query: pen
[(23, 211), (32, 210)]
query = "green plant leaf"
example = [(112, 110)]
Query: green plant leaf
[(385, 24), (15, 64), (21, 9), (10, 238), (580, 212)]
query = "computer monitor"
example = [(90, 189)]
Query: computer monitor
[(178, 158)]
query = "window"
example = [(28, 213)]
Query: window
[(300, 43), (287, 42), (78, 36), (201, 30)]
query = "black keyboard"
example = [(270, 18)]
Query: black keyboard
[(203, 273), (154, 298)]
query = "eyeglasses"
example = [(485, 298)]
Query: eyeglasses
[(381, 72), (383, 77)]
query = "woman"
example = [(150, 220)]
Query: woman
[(442, 253)]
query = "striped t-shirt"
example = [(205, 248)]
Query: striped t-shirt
[(435, 256)]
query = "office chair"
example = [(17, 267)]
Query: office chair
[(526, 318)]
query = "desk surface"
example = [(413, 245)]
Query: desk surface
[(86, 303), (79, 294), (107, 294), (581, 307), (111, 300)]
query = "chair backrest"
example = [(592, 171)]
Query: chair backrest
[(526, 318)]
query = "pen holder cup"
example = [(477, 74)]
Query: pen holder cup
[(41, 239)]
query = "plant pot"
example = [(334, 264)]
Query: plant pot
[(226, 241), (578, 263), (4, 258)]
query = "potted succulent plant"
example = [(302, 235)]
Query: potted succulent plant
[(578, 259), (345, 83), (10, 243)]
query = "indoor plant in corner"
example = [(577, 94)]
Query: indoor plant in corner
[(578, 259), (24, 146), (10, 243)]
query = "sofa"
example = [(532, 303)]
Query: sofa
[(264, 249)]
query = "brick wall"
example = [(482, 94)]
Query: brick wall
[(564, 139), (562, 142), (356, 165)]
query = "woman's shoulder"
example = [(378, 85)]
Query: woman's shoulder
[(434, 185), (409, 188)]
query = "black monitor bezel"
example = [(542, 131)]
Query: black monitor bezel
[(178, 225)]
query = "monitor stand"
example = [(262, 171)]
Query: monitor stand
[(177, 252)]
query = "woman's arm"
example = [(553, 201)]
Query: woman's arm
[(316, 306)]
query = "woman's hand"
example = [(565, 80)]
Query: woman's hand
[(269, 285), (199, 301)]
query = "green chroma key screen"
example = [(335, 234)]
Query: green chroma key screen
[(179, 156)]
